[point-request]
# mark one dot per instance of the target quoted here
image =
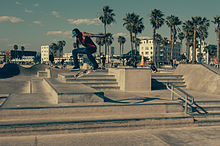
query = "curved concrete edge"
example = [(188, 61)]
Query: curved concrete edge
[(199, 78)]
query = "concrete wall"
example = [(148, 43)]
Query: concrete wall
[(199, 78), (132, 79)]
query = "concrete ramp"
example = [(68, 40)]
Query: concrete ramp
[(72, 93), (199, 78)]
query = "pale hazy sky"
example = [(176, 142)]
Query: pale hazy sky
[(33, 23)]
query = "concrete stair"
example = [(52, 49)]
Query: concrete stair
[(160, 80), (91, 118), (99, 80), (212, 107)]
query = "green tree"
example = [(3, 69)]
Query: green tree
[(173, 22), (120, 39), (109, 41), (196, 21), (22, 49), (100, 41), (156, 20), (107, 18), (181, 37), (129, 23), (60, 45), (15, 49), (217, 29), (138, 28), (54, 49), (211, 50), (188, 32)]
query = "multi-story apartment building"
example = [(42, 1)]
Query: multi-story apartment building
[(204, 56), (45, 52), (162, 53)]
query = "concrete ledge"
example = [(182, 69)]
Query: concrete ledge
[(73, 93), (132, 79)]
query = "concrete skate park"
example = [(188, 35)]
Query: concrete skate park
[(41, 101)]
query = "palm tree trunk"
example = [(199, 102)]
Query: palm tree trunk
[(172, 44), (217, 44), (100, 50), (131, 45), (200, 53), (194, 46), (154, 46), (105, 39)]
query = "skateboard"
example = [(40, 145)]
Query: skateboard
[(82, 72)]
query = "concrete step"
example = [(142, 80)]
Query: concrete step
[(170, 79), (210, 114), (208, 102), (85, 80), (158, 75), (72, 93), (207, 121), (101, 84), (211, 108), (85, 109), (93, 123), (106, 88)]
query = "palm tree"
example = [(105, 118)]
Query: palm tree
[(217, 29), (22, 49), (188, 32), (15, 48), (54, 48), (138, 28), (165, 45), (109, 41), (203, 34), (120, 39), (196, 21), (107, 18), (211, 50), (158, 40), (173, 22), (123, 42), (157, 20), (60, 45), (129, 23), (100, 41), (181, 37)]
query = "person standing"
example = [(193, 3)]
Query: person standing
[(89, 47)]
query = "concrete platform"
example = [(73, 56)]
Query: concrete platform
[(72, 93)]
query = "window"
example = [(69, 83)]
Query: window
[(146, 48), (146, 53)]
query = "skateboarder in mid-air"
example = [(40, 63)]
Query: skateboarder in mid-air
[(89, 48)]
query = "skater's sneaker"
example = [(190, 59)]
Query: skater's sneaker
[(76, 67)]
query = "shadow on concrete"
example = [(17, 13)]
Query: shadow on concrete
[(155, 85), (9, 70), (129, 100)]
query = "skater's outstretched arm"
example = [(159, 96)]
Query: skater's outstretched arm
[(94, 35)]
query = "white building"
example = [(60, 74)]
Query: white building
[(163, 53), (45, 52), (204, 55)]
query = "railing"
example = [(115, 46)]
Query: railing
[(188, 99)]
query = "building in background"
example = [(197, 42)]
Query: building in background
[(204, 56), (45, 52), (162, 53), (20, 56), (2, 56)]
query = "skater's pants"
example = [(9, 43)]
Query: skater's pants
[(88, 50)]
